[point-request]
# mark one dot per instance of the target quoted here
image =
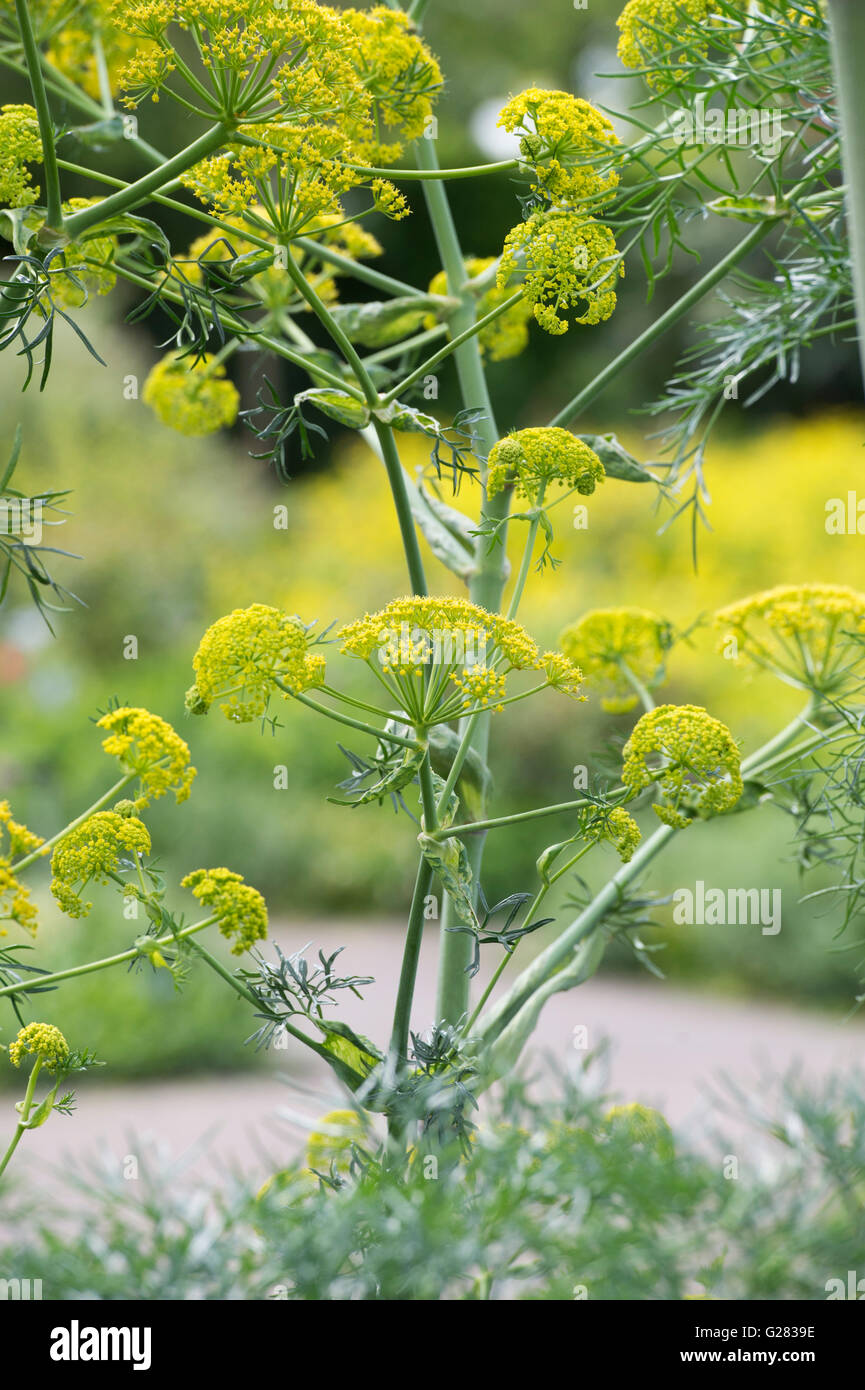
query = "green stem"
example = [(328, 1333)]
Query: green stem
[(454, 344), (39, 982), (589, 393), (26, 1106), (355, 268), (408, 970), (79, 820), (408, 531), (488, 579), (53, 210), (501, 166), (347, 720), (518, 818), (559, 951), (140, 191), (847, 26)]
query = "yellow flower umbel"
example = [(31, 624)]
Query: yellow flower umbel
[(93, 851), (20, 145), (569, 265), (438, 657), (399, 74), (693, 759), (194, 398), (329, 1149), (563, 138), (611, 644), (239, 909), (241, 657), (641, 1125), (810, 635), (622, 832), (665, 39), (44, 1043), (532, 459), (148, 747), (15, 904), (507, 335)]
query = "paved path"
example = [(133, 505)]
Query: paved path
[(667, 1045)]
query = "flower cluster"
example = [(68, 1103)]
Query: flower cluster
[(20, 145), (641, 1125), (399, 74), (243, 655), (563, 138), (806, 633), (614, 644), (693, 759), (319, 93), (44, 1043), (532, 459), (507, 335), (93, 851), (664, 38), (148, 747), (438, 657), (239, 909), (194, 398), (90, 46), (329, 1147), (569, 264), (622, 832), (15, 903)]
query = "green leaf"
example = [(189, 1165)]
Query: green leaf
[(446, 537), (449, 859), (746, 209), (378, 323), (618, 463), (337, 405)]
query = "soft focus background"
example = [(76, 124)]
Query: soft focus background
[(174, 532)]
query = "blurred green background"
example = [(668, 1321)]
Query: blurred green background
[(173, 532)]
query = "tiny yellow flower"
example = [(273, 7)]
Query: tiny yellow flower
[(239, 908), (20, 145), (569, 265), (242, 655), (563, 138), (43, 1042), (93, 851), (532, 459), (194, 398), (691, 757), (811, 635), (148, 746), (609, 642)]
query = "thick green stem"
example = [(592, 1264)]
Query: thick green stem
[(559, 951), (490, 572), (847, 23), (408, 531), (53, 210), (408, 971), (139, 192)]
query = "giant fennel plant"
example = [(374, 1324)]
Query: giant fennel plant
[(309, 123)]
